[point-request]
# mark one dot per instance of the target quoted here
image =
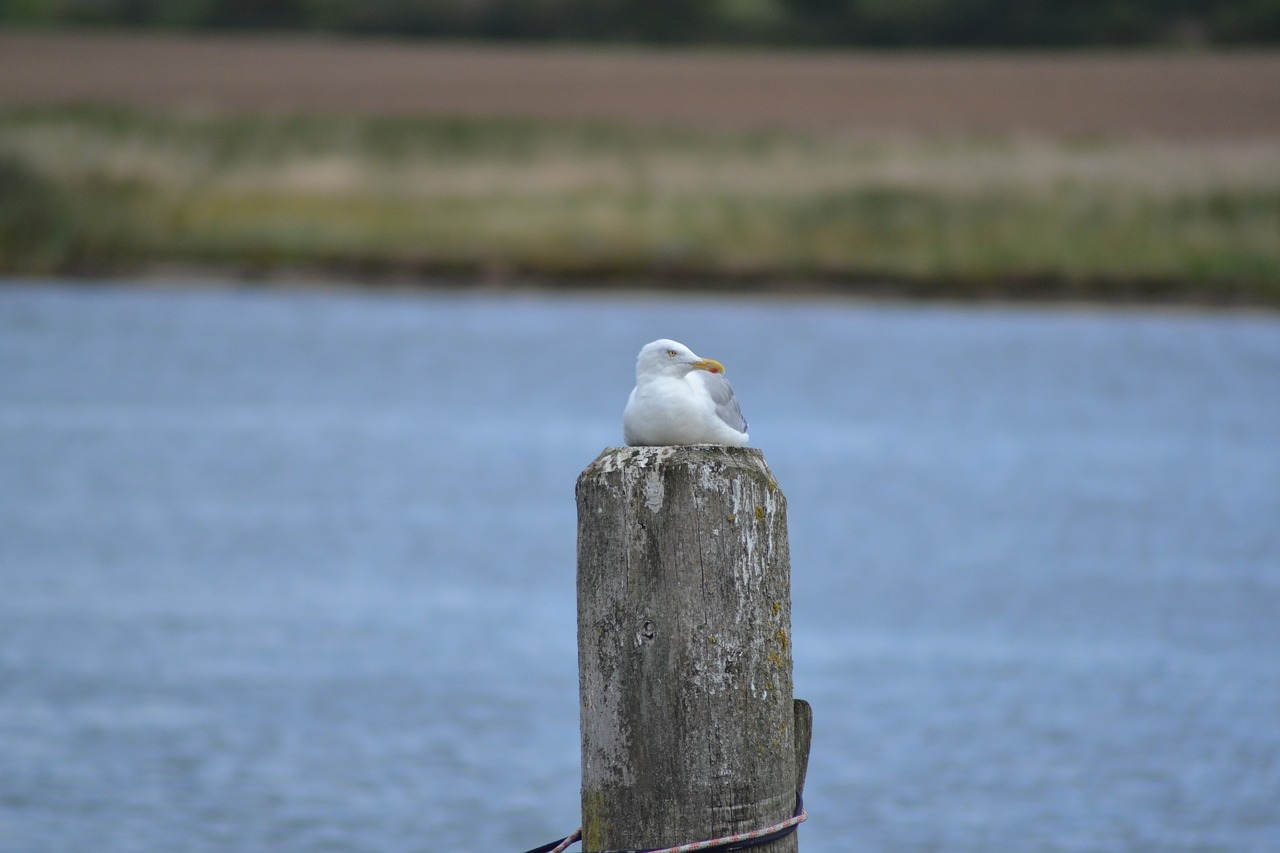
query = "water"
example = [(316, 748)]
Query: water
[(293, 571)]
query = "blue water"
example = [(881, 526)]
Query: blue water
[(294, 570)]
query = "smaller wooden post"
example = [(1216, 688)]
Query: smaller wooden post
[(684, 645)]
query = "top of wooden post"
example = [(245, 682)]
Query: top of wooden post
[(719, 456)]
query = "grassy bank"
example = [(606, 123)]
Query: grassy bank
[(97, 190)]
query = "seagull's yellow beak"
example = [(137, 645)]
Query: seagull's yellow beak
[(708, 364)]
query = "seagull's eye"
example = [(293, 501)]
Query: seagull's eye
[(672, 353)]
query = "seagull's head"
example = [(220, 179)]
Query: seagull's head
[(671, 358)]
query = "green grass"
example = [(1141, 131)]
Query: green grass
[(108, 190)]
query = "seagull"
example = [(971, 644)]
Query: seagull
[(680, 398)]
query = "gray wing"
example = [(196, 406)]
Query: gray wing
[(727, 408)]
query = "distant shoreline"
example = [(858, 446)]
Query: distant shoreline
[(1148, 177), (1153, 295), (104, 191)]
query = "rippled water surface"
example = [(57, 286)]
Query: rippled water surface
[(294, 571)]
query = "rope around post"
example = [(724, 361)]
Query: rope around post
[(738, 841)]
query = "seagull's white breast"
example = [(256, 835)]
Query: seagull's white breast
[(665, 409)]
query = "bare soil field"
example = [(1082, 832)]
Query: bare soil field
[(1169, 95)]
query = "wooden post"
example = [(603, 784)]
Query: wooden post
[(684, 648)]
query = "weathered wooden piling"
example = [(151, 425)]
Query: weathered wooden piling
[(684, 648)]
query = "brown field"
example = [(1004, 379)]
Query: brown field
[(1169, 95)]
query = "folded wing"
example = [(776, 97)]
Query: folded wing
[(727, 408)]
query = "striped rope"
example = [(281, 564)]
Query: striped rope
[(568, 842), (738, 841)]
